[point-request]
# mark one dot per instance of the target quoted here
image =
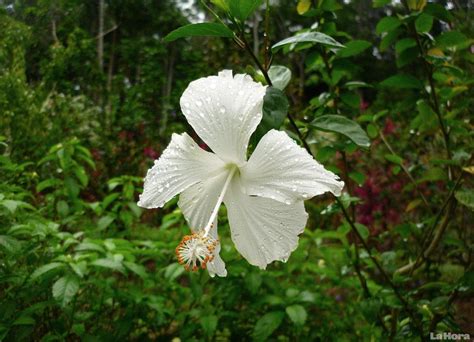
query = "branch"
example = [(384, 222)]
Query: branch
[(427, 250), (429, 76), (404, 168)]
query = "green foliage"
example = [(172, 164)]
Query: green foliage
[(203, 29)]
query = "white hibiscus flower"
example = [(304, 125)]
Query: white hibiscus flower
[(263, 195)]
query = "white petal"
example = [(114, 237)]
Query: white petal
[(280, 169), (263, 230), (197, 203), (224, 111), (216, 266), (182, 164)]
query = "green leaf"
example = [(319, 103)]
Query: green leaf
[(136, 268), (394, 159), (363, 230), (109, 263), (242, 9), (267, 324), (104, 222), (424, 23), (357, 177), (48, 183), (351, 99), (81, 175), (380, 3), (11, 205), (275, 109), (354, 48), (357, 84), (24, 320), (62, 208), (46, 268), (201, 29), (308, 37), (387, 24), (465, 197), (209, 324), (407, 56), (280, 76), (438, 11), (222, 4), (402, 81), (173, 271), (389, 38), (404, 44), (452, 39), (10, 244), (89, 246), (342, 125), (372, 131), (253, 281), (65, 288), (433, 174), (297, 314)]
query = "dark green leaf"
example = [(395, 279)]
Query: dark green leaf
[(308, 37), (353, 48), (10, 244), (424, 23), (267, 324), (387, 24), (201, 29), (363, 230), (46, 268), (275, 109), (297, 314), (242, 9), (465, 197), (65, 288), (136, 268), (402, 81), (104, 222), (351, 99), (357, 177), (342, 125), (407, 56), (372, 131), (48, 183), (438, 11), (380, 3), (404, 44), (389, 39), (209, 324), (394, 159), (452, 39)]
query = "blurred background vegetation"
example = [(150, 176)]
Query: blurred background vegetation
[(89, 97)]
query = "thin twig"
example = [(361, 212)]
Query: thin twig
[(434, 97), (428, 249), (407, 172)]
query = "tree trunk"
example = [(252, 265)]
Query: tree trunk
[(100, 36)]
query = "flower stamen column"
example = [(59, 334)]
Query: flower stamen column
[(198, 249)]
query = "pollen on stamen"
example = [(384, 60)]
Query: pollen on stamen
[(195, 251)]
